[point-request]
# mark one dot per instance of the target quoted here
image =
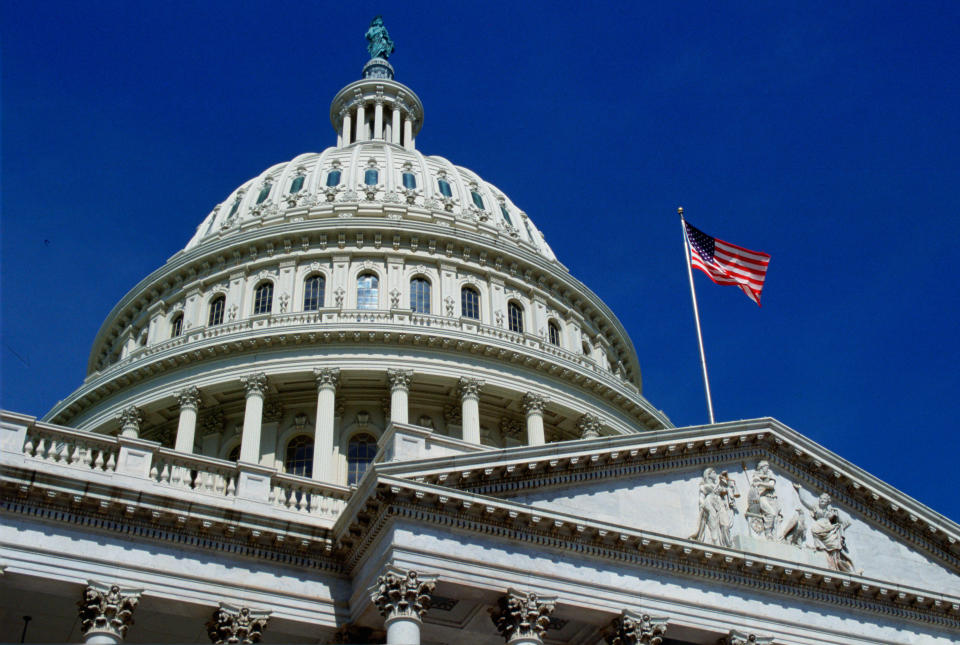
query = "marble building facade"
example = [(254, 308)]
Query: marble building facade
[(366, 403)]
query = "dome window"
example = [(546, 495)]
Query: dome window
[(420, 295), (371, 177), (477, 200), (554, 333), (234, 208), (263, 299), (176, 326), (333, 178), (409, 180), (526, 225), (506, 213), (264, 193), (297, 184), (515, 317), (470, 303), (368, 291), (444, 186), (216, 311), (298, 459), (360, 453), (313, 292)]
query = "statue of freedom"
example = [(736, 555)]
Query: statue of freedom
[(380, 45)]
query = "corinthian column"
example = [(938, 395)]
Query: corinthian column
[(533, 405), (361, 124), (631, 628), (232, 624), (399, 395), (395, 129), (470, 411), (255, 386), (106, 612), (378, 120), (130, 420), (347, 134), (323, 433), (589, 426), (402, 597), (189, 400), (522, 618)]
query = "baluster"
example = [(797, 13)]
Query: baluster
[(272, 496), (290, 496), (77, 453), (231, 485), (220, 483), (315, 503), (42, 448), (28, 446), (87, 456), (112, 462), (99, 463), (196, 480), (175, 475), (154, 473), (208, 478), (165, 473)]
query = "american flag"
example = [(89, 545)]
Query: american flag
[(727, 263)]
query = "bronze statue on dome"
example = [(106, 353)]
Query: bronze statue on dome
[(379, 43)]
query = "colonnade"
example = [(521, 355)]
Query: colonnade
[(255, 386), (397, 129)]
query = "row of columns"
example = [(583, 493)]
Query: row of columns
[(353, 127), (106, 613)]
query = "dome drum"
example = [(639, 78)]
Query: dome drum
[(376, 109)]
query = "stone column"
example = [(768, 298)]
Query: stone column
[(255, 386), (589, 426), (395, 129), (402, 597), (740, 637), (346, 132), (231, 624), (399, 395), (533, 405), (378, 120), (106, 612), (631, 628), (323, 465), (130, 421), (470, 410), (522, 618), (361, 124), (407, 132), (189, 400)]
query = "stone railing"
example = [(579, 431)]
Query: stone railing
[(145, 466)]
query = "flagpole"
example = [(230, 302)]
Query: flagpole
[(696, 314)]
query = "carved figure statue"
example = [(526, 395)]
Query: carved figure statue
[(718, 495), (763, 507), (828, 530), (379, 43), (794, 530)]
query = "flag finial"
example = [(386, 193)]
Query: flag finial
[(680, 211)]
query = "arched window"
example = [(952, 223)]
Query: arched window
[(368, 292), (264, 192), (234, 454), (176, 326), (554, 333), (234, 208), (477, 199), (371, 177), (313, 292), (506, 213), (263, 299), (216, 311), (409, 180), (360, 452), (469, 303), (585, 346), (420, 295), (444, 186), (333, 178), (515, 316), (297, 184), (298, 460)]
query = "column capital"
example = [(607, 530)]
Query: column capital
[(402, 593), (399, 379), (470, 387), (255, 383), (740, 637), (326, 377), (188, 397), (522, 615), (533, 402), (130, 418), (632, 628), (589, 426), (107, 609), (231, 624)]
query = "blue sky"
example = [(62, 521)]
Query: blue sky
[(823, 133)]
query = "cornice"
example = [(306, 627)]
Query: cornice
[(394, 499)]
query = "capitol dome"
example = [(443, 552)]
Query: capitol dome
[(344, 290)]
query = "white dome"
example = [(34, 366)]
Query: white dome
[(300, 189)]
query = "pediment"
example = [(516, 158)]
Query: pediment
[(750, 486)]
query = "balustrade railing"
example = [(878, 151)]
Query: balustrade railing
[(194, 472), (71, 448), (307, 496)]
